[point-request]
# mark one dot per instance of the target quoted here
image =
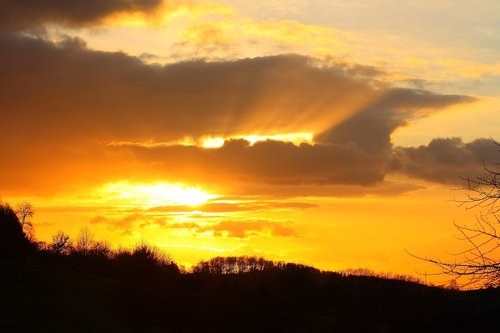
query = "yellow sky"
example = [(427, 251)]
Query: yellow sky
[(326, 133)]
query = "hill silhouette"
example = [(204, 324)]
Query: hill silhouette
[(90, 288)]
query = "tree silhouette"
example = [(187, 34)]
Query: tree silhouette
[(61, 244), (234, 265), (84, 241), (100, 249), (13, 242), (479, 263), (25, 212)]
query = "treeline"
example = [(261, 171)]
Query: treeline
[(84, 286), (85, 253)]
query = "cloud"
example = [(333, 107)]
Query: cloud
[(239, 228), (242, 206), (353, 152), (63, 104), (20, 14), (271, 162), (125, 222), (126, 225), (111, 96), (245, 228), (446, 160), (241, 35), (386, 189), (371, 128)]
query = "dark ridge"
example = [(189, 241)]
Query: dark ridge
[(89, 288)]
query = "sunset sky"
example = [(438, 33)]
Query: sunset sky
[(329, 133)]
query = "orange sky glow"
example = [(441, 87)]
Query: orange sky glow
[(329, 133)]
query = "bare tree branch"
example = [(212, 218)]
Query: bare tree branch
[(479, 264)]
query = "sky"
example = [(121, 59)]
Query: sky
[(329, 133)]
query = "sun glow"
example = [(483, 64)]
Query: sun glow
[(296, 138), (157, 194), (212, 142), (217, 141)]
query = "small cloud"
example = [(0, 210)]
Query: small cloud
[(98, 220), (44, 224), (238, 228)]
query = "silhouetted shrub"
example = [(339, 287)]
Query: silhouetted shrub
[(144, 262), (61, 244)]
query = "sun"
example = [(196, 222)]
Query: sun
[(157, 194)]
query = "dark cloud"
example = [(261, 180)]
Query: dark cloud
[(20, 14), (371, 128), (62, 104), (446, 160), (272, 162), (387, 189), (78, 92)]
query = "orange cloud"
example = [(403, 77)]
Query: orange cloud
[(239, 228), (241, 206), (129, 224), (208, 33)]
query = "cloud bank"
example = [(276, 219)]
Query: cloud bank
[(63, 104)]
